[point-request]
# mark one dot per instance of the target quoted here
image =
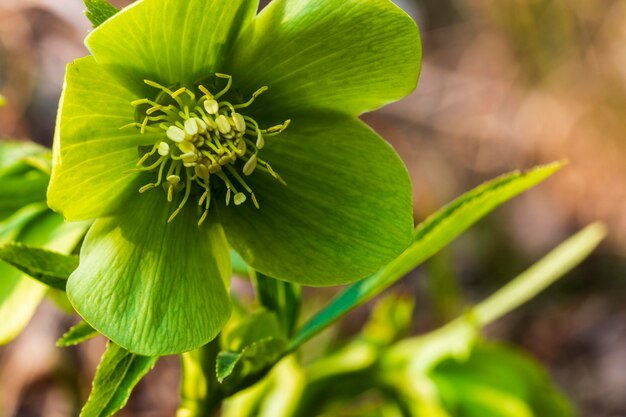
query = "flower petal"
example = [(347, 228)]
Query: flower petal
[(92, 155), (345, 212), (169, 41), (345, 55), (152, 287)]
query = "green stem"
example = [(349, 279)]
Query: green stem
[(524, 287), (538, 277), (199, 390)]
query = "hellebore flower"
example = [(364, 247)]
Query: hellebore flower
[(197, 124)]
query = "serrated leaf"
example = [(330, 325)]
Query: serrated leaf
[(48, 267), (251, 360), (99, 11), (19, 294), (118, 373), (430, 236), (77, 334)]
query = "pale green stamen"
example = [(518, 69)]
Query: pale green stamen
[(203, 137)]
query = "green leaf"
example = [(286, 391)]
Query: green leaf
[(21, 185), (118, 373), (346, 209), (52, 269), (77, 334), (19, 294), (282, 298), (169, 41), (251, 360), (497, 381), (151, 287), (347, 56), (99, 11), (92, 156), (12, 152), (430, 236), (456, 338), (260, 325)]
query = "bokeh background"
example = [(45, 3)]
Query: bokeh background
[(506, 84)]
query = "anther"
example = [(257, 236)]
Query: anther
[(222, 124), (250, 166), (239, 122), (187, 147), (239, 199), (202, 127), (191, 127), (164, 149), (211, 106), (176, 134), (202, 171), (260, 140)]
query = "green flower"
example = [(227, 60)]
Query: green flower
[(166, 135)]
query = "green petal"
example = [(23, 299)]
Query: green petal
[(152, 287), (169, 41), (345, 55), (345, 212), (92, 155)]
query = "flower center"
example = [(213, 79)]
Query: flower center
[(206, 143)]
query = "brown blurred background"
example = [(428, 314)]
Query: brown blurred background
[(505, 85)]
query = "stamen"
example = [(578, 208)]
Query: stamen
[(254, 96), (250, 166), (229, 83), (176, 134), (260, 141), (202, 137), (185, 198)]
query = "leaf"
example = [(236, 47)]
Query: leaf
[(498, 381), (99, 11), (19, 294), (118, 373), (457, 337), (430, 236), (12, 152), (251, 360), (51, 268), (261, 325), (77, 334)]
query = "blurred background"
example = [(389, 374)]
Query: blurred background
[(505, 85)]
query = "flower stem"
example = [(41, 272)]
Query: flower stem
[(199, 390)]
